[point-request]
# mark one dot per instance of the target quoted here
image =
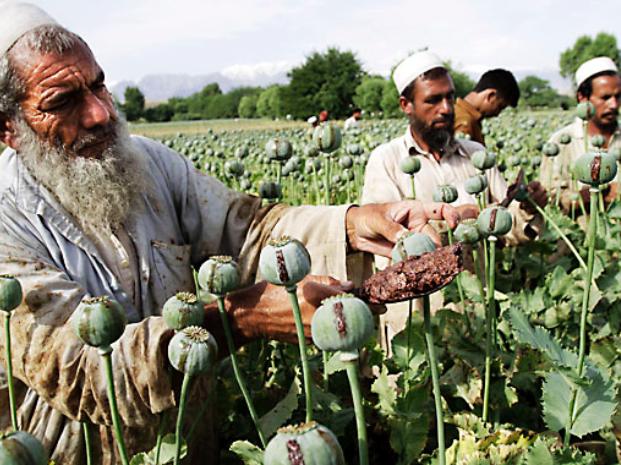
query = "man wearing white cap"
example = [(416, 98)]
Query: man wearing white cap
[(87, 210), (427, 99), (598, 82)]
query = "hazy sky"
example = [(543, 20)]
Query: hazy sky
[(132, 39)]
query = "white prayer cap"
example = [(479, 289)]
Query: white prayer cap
[(594, 66), (16, 19), (312, 120), (413, 66)]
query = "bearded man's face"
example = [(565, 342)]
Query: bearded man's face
[(430, 110), (71, 139)]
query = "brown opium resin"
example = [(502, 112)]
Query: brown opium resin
[(414, 277)]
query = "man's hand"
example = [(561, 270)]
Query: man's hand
[(375, 228), (468, 211), (537, 194), (264, 310)]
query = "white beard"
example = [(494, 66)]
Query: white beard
[(100, 193)]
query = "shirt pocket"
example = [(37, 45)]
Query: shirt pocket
[(172, 271)]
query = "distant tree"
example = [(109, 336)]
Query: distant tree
[(160, 113), (134, 103), (325, 81), (537, 92), (586, 48), (369, 93), (390, 100), (248, 106), (269, 103), (462, 82)]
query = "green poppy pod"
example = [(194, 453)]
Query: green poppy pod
[(310, 151), (241, 152), (183, 310), (514, 160), (278, 149), (270, 190), (219, 275), (346, 162), (483, 160), (284, 261), (500, 144), (99, 322), (595, 168), (410, 165), (445, 193), (564, 139), (193, 351), (233, 168), (354, 149), (305, 444), (10, 293), (550, 149), (494, 221), (467, 232), (585, 110), (598, 141), (21, 448), (535, 161), (413, 244), (476, 184), (342, 323), (327, 137)]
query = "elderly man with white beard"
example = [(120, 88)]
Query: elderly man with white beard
[(87, 210)]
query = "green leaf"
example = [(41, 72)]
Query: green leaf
[(385, 391), (335, 364), (540, 339), (247, 452), (594, 406), (282, 411), (538, 454), (167, 452), (417, 346), (559, 282), (408, 436)]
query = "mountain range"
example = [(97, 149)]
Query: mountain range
[(161, 87)]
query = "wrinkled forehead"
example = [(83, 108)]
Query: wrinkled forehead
[(607, 83), (26, 61), (439, 84)]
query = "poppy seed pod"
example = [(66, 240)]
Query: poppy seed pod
[(99, 322), (310, 151), (564, 139), (494, 221), (21, 448), (445, 193), (10, 293), (193, 351), (305, 444), (476, 184), (342, 323), (595, 168), (219, 275), (467, 232), (327, 137), (241, 152), (183, 310), (483, 160), (270, 190), (284, 261), (278, 149), (413, 244), (585, 110), (598, 141), (550, 149), (410, 165)]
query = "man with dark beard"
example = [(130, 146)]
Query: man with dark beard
[(427, 99), (598, 82), (87, 210)]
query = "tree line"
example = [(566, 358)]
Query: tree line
[(335, 80)]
